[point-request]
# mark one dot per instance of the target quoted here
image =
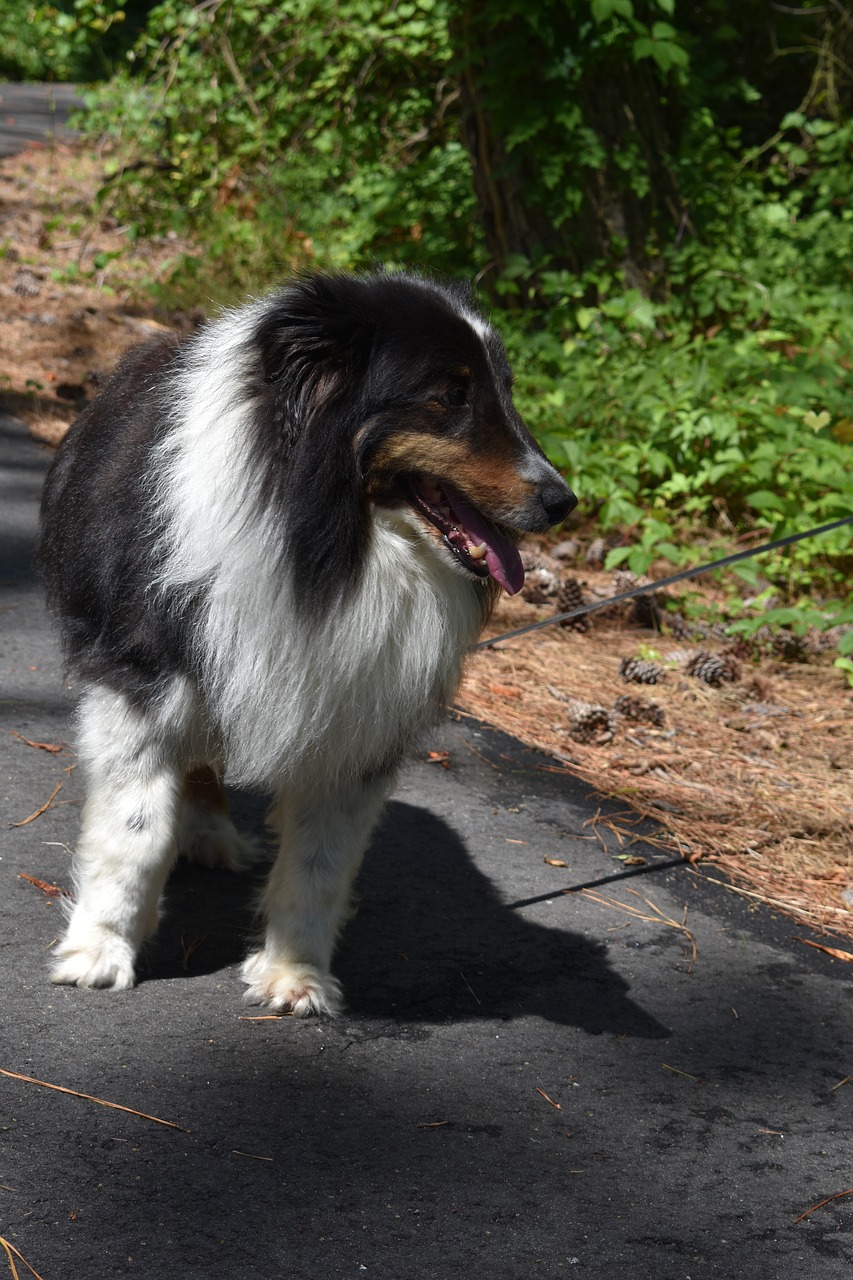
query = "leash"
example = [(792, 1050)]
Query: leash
[(682, 576)]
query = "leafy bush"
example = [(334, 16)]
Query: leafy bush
[(79, 40), (726, 402), (326, 121), (709, 396)]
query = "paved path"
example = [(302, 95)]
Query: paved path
[(34, 113), (409, 1140)]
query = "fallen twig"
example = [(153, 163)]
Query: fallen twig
[(102, 1102), (48, 802), (558, 1106)]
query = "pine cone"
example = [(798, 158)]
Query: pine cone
[(535, 559), (570, 596), (26, 283), (624, 580), (678, 626), (790, 647), (681, 657), (643, 611), (540, 584), (633, 708), (591, 724), (595, 552), (816, 641), (638, 671), (713, 669), (565, 550)]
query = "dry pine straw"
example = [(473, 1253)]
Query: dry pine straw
[(753, 776)]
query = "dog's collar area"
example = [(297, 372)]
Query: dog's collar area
[(477, 544)]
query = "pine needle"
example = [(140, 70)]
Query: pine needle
[(102, 1102), (48, 802), (657, 916), (10, 1249), (821, 1203), (835, 952)]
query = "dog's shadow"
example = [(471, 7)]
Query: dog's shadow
[(430, 940)]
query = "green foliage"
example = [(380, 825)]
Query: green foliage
[(725, 402), (78, 40), (327, 120), (693, 385)]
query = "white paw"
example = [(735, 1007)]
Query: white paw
[(99, 959), (211, 839), (299, 988)]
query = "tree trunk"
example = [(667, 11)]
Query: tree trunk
[(585, 176)]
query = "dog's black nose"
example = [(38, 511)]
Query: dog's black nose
[(558, 500)]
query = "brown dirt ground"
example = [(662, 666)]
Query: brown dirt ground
[(753, 776), (76, 287)]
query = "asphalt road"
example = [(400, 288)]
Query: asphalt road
[(693, 1114), (33, 113)]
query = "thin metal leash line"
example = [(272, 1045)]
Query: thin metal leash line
[(666, 582)]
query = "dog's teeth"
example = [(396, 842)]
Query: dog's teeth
[(477, 553)]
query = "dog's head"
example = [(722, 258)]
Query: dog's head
[(391, 390)]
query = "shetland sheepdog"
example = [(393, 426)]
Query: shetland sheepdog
[(269, 548)]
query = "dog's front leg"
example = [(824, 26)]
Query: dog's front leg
[(126, 844), (323, 838)]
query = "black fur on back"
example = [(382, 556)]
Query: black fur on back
[(98, 537)]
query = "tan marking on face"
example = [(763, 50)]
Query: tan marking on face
[(490, 480)]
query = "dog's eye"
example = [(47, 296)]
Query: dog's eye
[(456, 397)]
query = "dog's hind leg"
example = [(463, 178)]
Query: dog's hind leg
[(323, 839), (127, 839), (206, 833)]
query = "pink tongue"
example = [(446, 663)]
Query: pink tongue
[(502, 558)]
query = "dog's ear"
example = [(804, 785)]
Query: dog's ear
[(315, 344)]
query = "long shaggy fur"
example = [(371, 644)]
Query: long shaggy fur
[(268, 549)]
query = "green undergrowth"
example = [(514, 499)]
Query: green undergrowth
[(720, 408), (708, 403)]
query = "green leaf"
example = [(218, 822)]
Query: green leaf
[(764, 500), (604, 9)]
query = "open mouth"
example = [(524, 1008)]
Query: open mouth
[(478, 545)]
